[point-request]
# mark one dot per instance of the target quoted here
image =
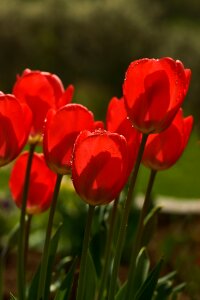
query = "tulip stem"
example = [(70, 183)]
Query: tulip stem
[(86, 240), (138, 238), (45, 254), (122, 230), (108, 250), (21, 241), (26, 240)]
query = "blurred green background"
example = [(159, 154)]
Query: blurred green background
[(90, 43)]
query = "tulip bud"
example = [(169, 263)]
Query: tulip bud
[(99, 166), (154, 90), (163, 149), (61, 129), (15, 120), (41, 91), (41, 185), (117, 121)]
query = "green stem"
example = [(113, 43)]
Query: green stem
[(138, 237), (108, 250), (26, 240), (21, 257), (81, 281), (45, 254), (122, 230)]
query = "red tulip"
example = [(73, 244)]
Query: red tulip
[(41, 91), (99, 166), (15, 120), (154, 90), (60, 132), (164, 149), (41, 186), (117, 121)]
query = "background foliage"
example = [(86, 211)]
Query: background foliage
[(90, 43)]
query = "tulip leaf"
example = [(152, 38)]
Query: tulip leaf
[(149, 225), (165, 287), (140, 274), (147, 289), (121, 292), (64, 291), (166, 278), (164, 290), (177, 289), (32, 295), (141, 270), (33, 289), (91, 279)]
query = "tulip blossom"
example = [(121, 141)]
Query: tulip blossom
[(15, 120), (41, 91), (154, 90), (164, 149), (117, 121), (99, 166), (61, 129), (41, 186)]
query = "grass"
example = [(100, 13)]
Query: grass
[(182, 180)]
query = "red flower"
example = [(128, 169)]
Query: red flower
[(117, 121), (164, 149), (60, 132), (15, 120), (99, 166), (41, 91), (41, 186), (154, 89)]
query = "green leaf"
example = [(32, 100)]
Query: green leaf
[(147, 289), (140, 274), (141, 270), (150, 225), (167, 277), (91, 279), (165, 287), (177, 289), (164, 290), (121, 292), (33, 289), (65, 289)]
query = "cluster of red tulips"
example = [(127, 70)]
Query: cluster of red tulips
[(145, 125)]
